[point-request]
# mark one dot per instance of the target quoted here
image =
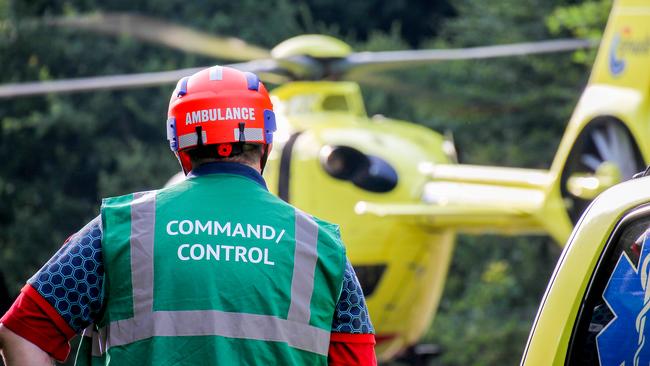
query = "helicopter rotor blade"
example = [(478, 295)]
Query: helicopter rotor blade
[(391, 84), (354, 66), (362, 62), (162, 32), (120, 81), (266, 69)]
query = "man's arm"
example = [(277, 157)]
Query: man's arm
[(16, 350), (352, 342), (61, 299)]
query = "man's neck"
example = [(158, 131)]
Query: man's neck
[(201, 162), (228, 167)]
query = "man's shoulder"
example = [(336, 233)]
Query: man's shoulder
[(331, 228), (127, 199), (329, 233)]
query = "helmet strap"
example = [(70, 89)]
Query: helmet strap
[(242, 128), (265, 156), (199, 135)]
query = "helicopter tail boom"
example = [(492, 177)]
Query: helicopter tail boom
[(474, 199)]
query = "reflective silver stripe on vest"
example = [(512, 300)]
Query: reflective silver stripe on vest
[(220, 323), (146, 323), (143, 225), (305, 258)]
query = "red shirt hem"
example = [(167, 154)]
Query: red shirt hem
[(352, 350), (36, 320)]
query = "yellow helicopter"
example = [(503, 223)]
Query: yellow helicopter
[(394, 187)]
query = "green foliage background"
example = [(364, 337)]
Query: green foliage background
[(62, 153)]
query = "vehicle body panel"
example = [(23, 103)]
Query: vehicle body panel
[(554, 324)]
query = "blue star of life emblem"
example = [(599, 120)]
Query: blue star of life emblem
[(626, 339)]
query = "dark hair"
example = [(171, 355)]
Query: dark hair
[(249, 154)]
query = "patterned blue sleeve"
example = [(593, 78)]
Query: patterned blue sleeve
[(351, 314), (72, 280)]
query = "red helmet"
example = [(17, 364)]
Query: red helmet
[(219, 106)]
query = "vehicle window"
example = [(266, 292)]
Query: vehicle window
[(611, 326)]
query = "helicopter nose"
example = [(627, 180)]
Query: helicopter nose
[(367, 172)]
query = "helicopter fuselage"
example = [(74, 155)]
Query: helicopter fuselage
[(321, 153)]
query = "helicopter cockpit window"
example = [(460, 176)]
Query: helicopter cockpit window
[(335, 103), (310, 103), (613, 325)]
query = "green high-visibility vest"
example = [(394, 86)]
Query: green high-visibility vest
[(215, 271)]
